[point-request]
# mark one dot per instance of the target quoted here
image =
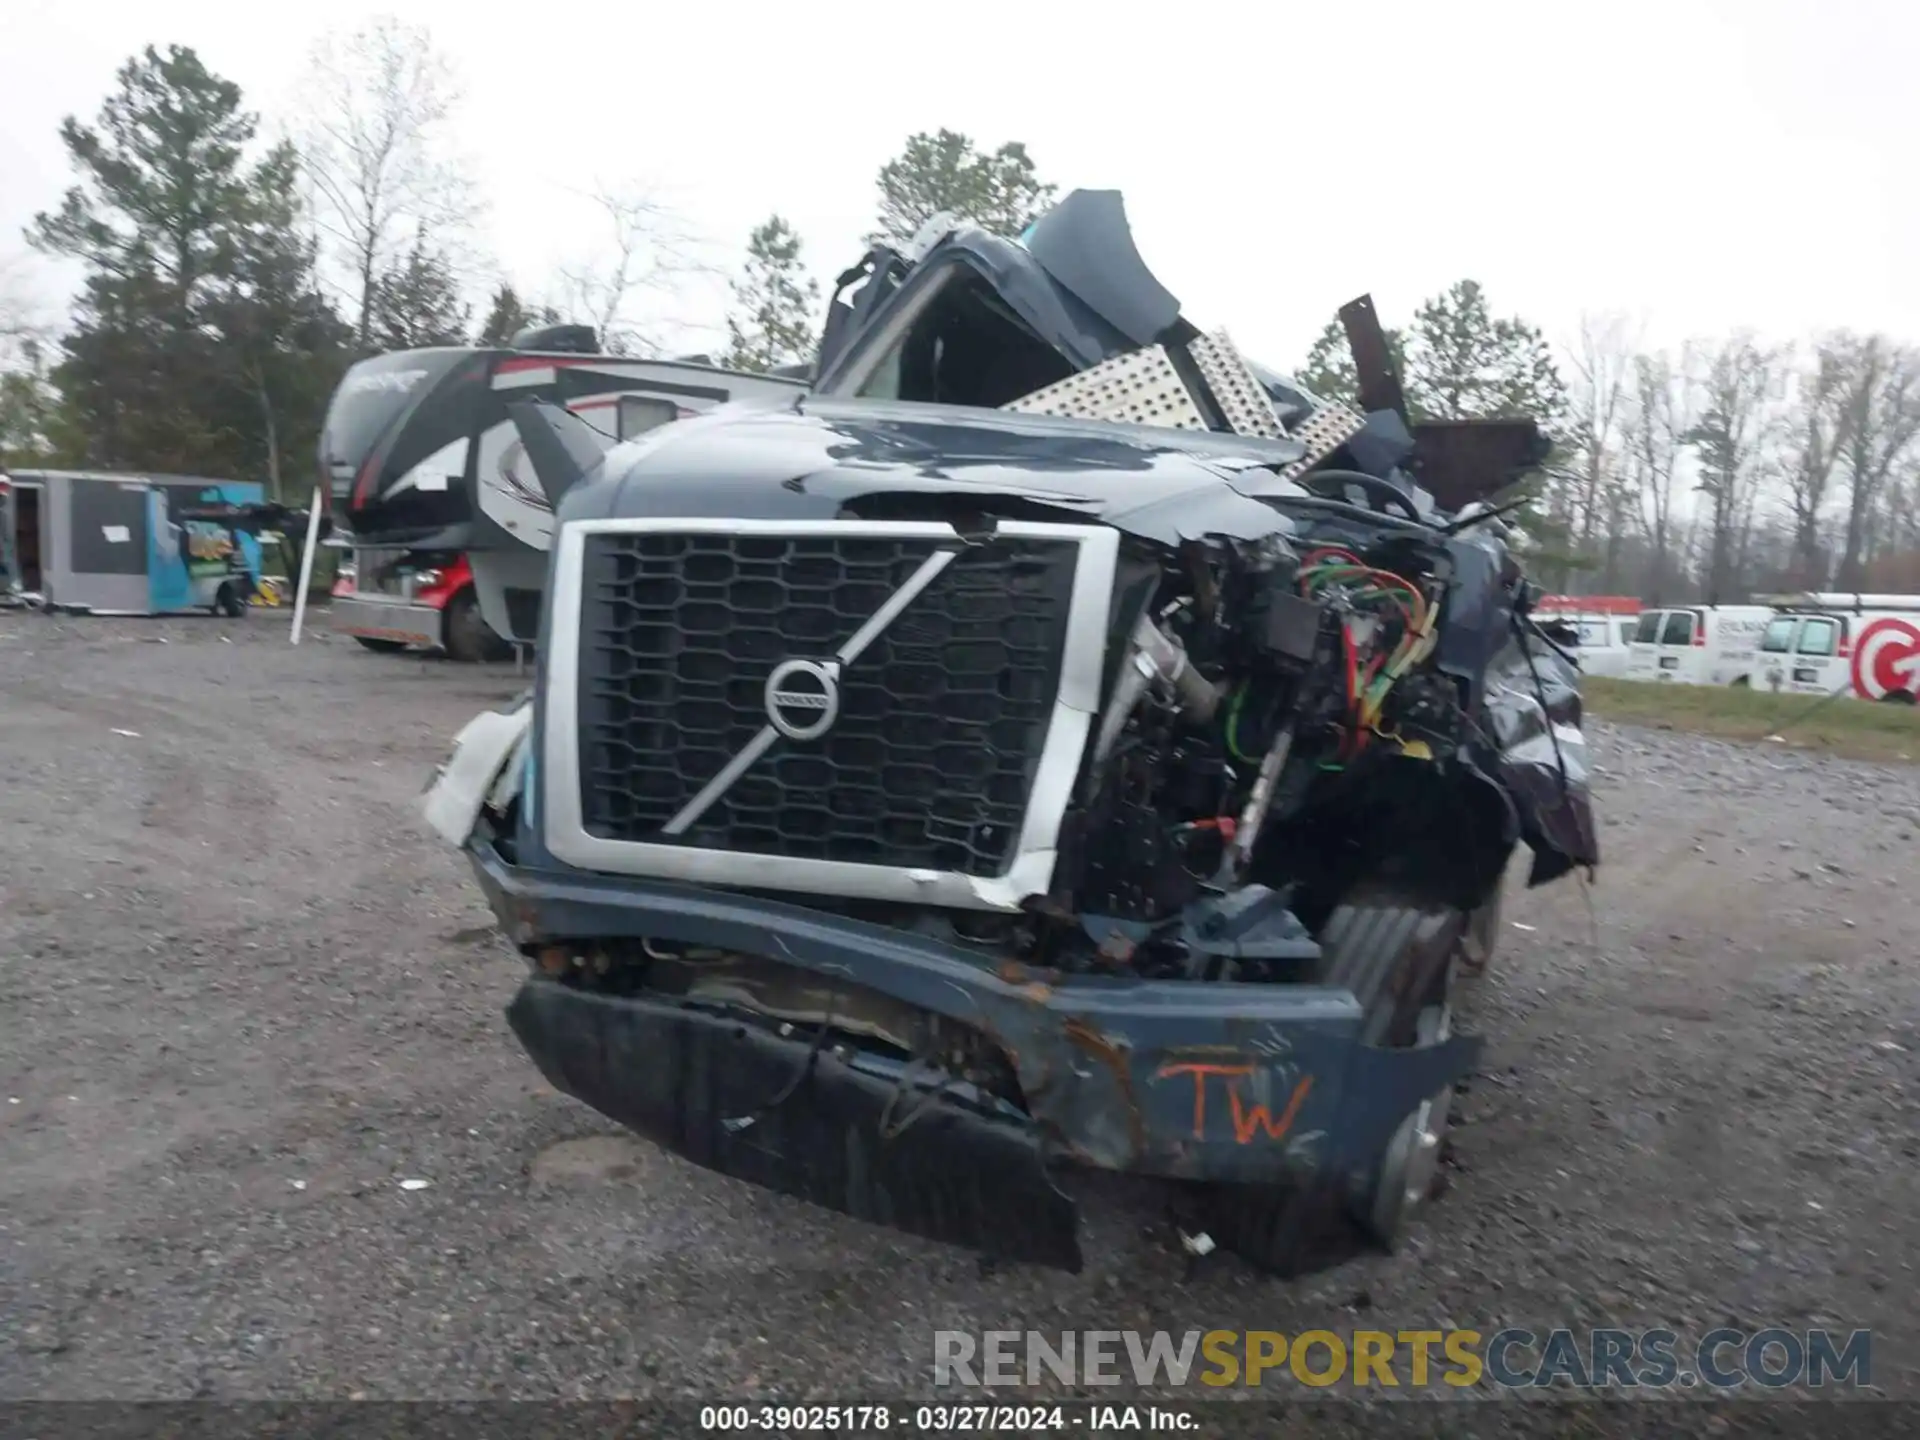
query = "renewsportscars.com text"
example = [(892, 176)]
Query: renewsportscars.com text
[(1512, 1358)]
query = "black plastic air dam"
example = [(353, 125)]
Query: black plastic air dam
[(772, 1111)]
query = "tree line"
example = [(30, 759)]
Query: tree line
[(229, 278)]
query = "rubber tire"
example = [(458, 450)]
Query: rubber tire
[(465, 636), (227, 602), (1897, 697), (1394, 956), (1480, 938), (1745, 682), (379, 646)]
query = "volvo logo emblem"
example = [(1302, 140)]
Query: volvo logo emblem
[(803, 698)]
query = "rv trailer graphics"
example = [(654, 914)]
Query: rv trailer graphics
[(442, 468), (619, 399), (424, 464)]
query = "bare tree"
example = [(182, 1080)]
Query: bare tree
[(375, 106), (22, 322), (1659, 415), (26, 396), (1740, 386), (1817, 421), (646, 250), (1895, 565), (1904, 506), (1882, 408), (1597, 403)]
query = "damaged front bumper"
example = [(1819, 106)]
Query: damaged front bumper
[(378, 617), (1254, 1085)]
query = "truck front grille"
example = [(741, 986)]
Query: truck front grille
[(932, 754), (380, 570)]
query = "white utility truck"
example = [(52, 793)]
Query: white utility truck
[(1826, 643)]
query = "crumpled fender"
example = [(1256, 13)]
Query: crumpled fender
[(1535, 710)]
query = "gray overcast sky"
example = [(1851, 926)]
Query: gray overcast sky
[(1698, 165)]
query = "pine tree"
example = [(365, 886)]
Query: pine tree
[(774, 298), (417, 302), (194, 273), (507, 316), (1459, 361), (1464, 363), (1000, 192), (285, 346)]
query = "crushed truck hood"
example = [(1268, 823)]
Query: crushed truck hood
[(825, 459)]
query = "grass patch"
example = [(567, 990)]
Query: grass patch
[(1858, 729)]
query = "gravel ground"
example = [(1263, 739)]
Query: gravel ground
[(246, 997)]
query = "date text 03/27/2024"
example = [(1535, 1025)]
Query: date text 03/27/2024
[(945, 1419)]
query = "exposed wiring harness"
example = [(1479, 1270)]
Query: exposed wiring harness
[(1369, 593), (1389, 597)]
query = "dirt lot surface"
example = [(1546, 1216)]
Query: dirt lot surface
[(246, 997)]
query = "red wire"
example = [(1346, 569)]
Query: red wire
[(1350, 743), (1392, 583), (1315, 556)]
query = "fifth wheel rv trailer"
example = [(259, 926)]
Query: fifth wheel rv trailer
[(433, 487)]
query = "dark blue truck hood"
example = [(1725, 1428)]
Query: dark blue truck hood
[(823, 458)]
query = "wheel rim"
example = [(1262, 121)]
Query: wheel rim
[(1412, 1158)]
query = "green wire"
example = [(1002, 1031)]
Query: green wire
[(1233, 726)]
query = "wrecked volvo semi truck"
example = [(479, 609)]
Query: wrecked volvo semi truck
[(1055, 745)]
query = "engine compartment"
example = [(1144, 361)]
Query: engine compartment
[(1268, 677), (1355, 700), (1282, 720)]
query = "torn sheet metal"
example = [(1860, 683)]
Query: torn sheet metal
[(1219, 512), (1534, 708), (1085, 245), (1149, 999)]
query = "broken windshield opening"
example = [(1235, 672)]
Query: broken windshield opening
[(963, 346)]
